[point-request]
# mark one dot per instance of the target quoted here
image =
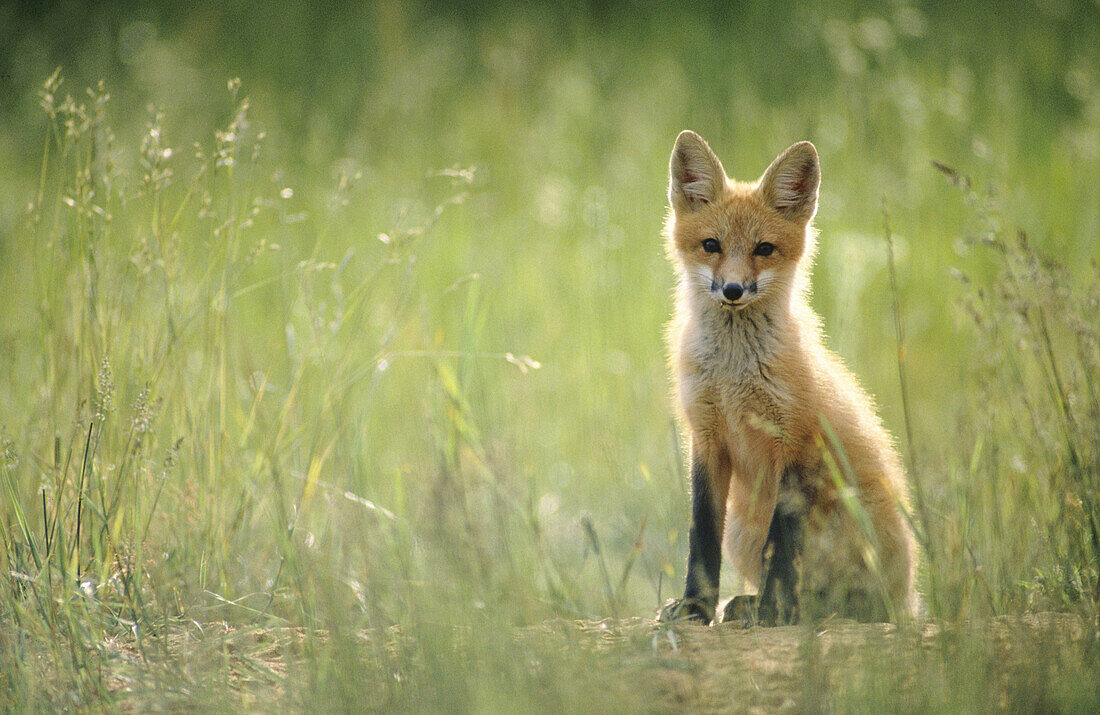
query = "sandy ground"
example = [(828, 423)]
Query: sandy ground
[(797, 668), (1004, 663)]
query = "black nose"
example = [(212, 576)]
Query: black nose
[(732, 291)]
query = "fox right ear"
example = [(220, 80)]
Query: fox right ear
[(790, 184), (695, 175)]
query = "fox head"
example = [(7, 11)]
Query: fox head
[(740, 244)]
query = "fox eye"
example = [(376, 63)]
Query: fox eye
[(763, 249), (711, 246)]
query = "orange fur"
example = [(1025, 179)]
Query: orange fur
[(755, 383)]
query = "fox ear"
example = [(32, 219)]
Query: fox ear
[(790, 184), (695, 175)]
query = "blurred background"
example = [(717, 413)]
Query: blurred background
[(335, 309)]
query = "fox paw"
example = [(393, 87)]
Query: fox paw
[(778, 611), (741, 610), (750, 610), (686, 609)]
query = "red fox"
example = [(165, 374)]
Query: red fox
[(791, 469)]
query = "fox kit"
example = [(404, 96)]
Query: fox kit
[(791, 470)]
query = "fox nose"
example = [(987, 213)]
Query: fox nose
[(732, 291)]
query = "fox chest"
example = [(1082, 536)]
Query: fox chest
[(733, 390), (736, 400)]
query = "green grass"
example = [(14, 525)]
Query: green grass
[(366, 350)]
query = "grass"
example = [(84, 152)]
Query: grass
[(344, 384)]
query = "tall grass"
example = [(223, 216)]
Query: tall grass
[(202, 470), (1034, 468), (369, 430)]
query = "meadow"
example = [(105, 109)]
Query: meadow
[(333, 370)]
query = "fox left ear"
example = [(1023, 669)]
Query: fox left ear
[(790, 184), (695, 176)]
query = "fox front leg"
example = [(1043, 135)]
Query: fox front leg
[(781, 560), (709, 487)]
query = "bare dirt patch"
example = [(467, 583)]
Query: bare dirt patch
[(1004, 663), (726, 668)]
